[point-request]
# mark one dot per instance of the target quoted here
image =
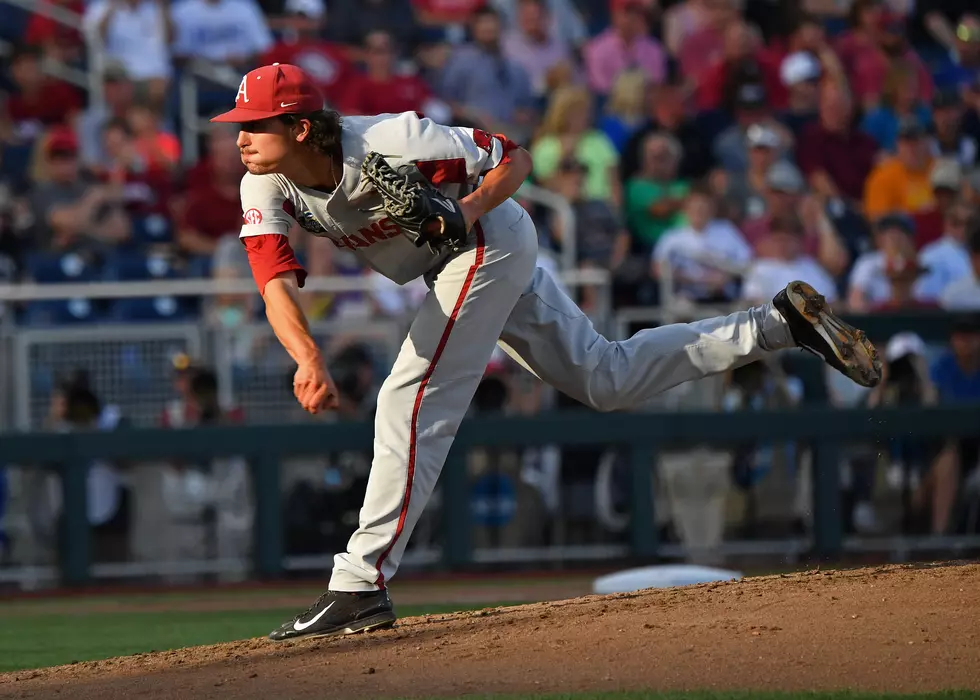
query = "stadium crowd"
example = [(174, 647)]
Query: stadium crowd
[(728, 146)]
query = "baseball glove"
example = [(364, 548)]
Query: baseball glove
[(425, 215)]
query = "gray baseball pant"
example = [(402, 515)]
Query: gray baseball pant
[(493, 292)]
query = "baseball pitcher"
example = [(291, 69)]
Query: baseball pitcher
[(414, 198)]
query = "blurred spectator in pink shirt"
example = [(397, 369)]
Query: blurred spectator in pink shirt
[(868, 56), (626, 45), (534, 45)]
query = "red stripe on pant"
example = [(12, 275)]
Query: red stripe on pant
[(413, 438)]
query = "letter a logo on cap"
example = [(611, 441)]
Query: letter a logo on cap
[(243, 90)]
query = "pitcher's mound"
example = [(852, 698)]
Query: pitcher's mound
[(898, 628)]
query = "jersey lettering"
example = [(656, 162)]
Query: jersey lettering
[(358, 242), (380, 231)]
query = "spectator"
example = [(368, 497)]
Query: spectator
[(800, 74), (444, 13), (704, 46), (865, 20), (899, 101), (601, 241), (36, 101), (221, 153), (901, 183), (625, 44), (704, 254), (139, 186), (947, 260), (534, 44), (751, 107), (964, 72), (665, 113), (159, 148), (681, 21), (567, 130), (808, 36), (117, 95), (16, 224), (885, 277), (871, 65), (835, 157), (784, 190), (352, 20), (179, 411), (782, 260), (654, 198), (432, 56), (301, 45), (72, 213), (744, 193), (212, 208), (956, 375), (233, 33), (138, 35), (56, 40), (624, 109), (946, 179), (566, 23), (743, 56), (949, 139), (382, 90), (487, 88), (964, 295)]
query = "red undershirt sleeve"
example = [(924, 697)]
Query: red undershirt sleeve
[(270, 255)]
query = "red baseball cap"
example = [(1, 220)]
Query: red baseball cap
[(273, 90)]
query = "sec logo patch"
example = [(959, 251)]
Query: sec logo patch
[(253, 216)]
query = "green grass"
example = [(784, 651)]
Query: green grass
[(52, 639), (732, 695)]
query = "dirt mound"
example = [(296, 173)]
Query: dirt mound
[(898, 628)]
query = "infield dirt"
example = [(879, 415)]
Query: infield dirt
[(895, 628)]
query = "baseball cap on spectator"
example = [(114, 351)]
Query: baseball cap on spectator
[(61, 143), (902, 344), (799, 67), (785, 177), (751, 96), (896, 220), (946, 98), (314, 9), (761, 136), (114, 71), (910, 128), (947, 174), (271, 91)]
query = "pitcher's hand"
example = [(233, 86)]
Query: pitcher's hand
[(313, 387)]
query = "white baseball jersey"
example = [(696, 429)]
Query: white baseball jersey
[(451, 158)]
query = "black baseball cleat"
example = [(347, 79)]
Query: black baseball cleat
[(339, 613), (815, 328)]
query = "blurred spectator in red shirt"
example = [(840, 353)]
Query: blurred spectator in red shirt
[(301, 45), (807, 34), (212, 207), (869, 64), (159, 148), (59, 41), (864, 19), (743, 54), (703, 46), (624, 45), (535, 45), (220, 152), (381, 90), (37, 101), (681, 21), (835, 157), (142, 187)]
